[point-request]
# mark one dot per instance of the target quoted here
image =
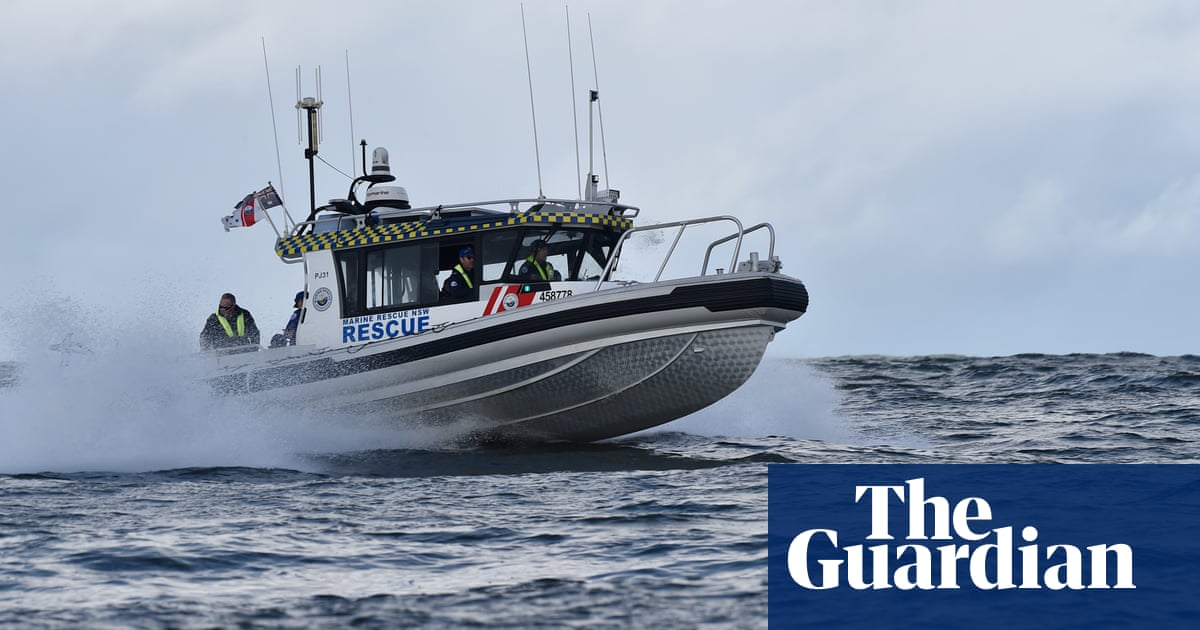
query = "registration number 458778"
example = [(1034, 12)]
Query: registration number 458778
[(546, 296)]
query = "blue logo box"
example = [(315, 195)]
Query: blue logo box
[(984, 546)]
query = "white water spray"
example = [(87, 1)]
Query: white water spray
[(784, 397), (131, 398)]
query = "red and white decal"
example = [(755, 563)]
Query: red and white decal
[(506, 298)]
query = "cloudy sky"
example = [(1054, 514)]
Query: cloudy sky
[(973, 178)]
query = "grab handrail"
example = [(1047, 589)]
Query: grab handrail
[(682, 225), (755, 228)]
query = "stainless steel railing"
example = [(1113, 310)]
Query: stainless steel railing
[(738, 235)]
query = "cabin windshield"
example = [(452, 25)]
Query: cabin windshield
[(576, 254)]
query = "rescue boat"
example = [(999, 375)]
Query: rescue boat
[(577, 355)]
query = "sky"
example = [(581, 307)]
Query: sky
[(976, 178)]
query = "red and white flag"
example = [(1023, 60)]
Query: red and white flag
[(252, 208), (244, 214)]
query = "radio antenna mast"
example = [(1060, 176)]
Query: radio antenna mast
[(275, 130), (574, 110), (313, 108), (529, 73), (350, 106), (596, 97)]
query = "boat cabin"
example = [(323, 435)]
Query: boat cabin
[(381, 272)]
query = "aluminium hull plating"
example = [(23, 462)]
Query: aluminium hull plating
[(609, 392), (594, 366)]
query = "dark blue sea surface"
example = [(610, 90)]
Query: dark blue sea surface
[(136, 505)]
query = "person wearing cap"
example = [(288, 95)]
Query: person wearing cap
[(536, 268), (460, 285), (231, 326), (289, 331), (288, 336)]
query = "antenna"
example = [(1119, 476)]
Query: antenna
[(321, 128), (313, 107), (350, 105), (275, 131), (574, 110), (593, 96), (596, 98), (299, 126), (529, 73)]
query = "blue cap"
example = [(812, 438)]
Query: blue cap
[(300, 295), (466, 251)]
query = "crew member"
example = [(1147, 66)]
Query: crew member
[(536, 268), (460, 285), (289, 331), (288, 336), (231, 326)]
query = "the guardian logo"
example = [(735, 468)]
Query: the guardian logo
[(948, 546)]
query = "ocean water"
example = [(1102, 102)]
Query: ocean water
[(128, 502)]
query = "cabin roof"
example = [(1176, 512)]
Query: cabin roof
[(294, 246)]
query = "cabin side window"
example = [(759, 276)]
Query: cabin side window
[(350, 272), (388, 278), (499, 248)]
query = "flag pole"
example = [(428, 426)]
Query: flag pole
[(268, 214)]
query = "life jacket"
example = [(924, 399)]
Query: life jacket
[(465, 276), (545, 272), (241, 324)]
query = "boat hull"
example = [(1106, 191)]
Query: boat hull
[(592, 395), (589, 368)]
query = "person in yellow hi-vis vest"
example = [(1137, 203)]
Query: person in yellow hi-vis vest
[(231, 326), (536, 268), (460, 284)]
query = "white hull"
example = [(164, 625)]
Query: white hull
[(590, 367)]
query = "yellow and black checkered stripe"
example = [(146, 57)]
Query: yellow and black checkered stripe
[(295, 245)]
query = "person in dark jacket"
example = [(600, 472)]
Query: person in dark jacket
[(460, 285), (289, 331), (288, 336), (230, 327), (536, 268)]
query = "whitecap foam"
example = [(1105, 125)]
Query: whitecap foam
[(784, 397)]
